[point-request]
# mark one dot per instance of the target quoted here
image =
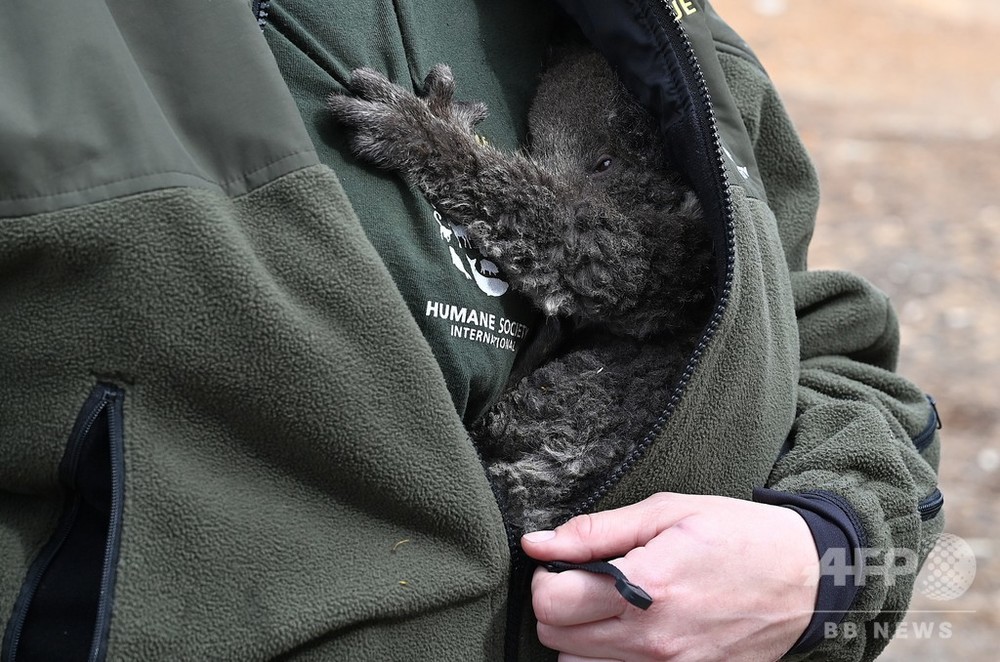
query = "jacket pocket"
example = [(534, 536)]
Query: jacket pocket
[(64, 607)]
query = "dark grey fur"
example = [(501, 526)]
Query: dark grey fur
[(620, 253)]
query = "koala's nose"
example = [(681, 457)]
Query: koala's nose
[(583, 210)]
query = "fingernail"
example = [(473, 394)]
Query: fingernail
[(539, 536)]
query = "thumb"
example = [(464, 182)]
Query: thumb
[(609, 533)]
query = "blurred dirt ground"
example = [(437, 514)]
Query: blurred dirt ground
[(898, 102)]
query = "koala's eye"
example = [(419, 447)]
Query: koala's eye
[(602, 164)]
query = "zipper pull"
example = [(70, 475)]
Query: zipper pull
[(633, 594)]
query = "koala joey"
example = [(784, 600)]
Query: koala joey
[(596, 228)]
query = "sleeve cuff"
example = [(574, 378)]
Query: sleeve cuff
[(837, 536)]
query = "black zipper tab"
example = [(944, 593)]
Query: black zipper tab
[(632, 593)]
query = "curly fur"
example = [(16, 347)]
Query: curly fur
[(595, 227)]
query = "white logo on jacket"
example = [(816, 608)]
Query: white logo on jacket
[(483, 272)]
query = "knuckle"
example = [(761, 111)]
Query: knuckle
[(544, 606), (582, 526), (546, 634), (661, 501), (660, 646)]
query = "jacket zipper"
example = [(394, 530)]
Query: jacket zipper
[(261, 9), (103, 399), (517, 593), (704, 117)]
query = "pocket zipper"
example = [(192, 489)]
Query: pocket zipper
[(931, 505), (103, 399)]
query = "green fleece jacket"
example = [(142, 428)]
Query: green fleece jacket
[(223, 432)]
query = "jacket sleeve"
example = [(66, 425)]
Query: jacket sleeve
[(864, 439)]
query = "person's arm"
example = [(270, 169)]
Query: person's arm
[(864, 441)]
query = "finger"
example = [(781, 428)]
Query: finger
[(574, 597), (608, 533), (439, 88), (370, 85), (606, 639), (348, 110), (470, 113)]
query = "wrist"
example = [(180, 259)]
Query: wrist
[(833, 531)]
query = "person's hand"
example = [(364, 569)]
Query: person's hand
[(730, 580)]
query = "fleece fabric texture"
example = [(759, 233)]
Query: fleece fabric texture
[(259, 427), (297, 481)]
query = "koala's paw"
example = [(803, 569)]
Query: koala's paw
[(396, 129)]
